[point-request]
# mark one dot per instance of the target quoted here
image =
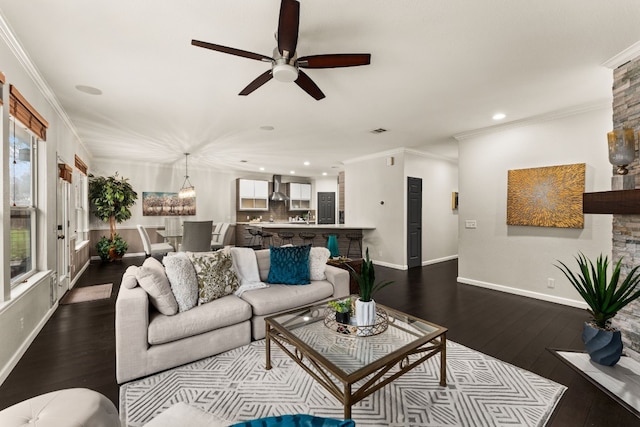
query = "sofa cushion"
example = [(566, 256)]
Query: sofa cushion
[(215, 273), (289, 265), (129, 279), (183, 280), (277, 298), (224, 311), (318, 257), (153, 280)]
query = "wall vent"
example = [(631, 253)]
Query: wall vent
[(379, 130)]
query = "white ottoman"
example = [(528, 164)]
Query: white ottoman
[(73, 407)]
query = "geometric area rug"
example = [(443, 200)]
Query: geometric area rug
[(480, 391)]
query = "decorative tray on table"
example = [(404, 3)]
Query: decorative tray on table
[(381, 325)]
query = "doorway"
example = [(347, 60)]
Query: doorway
[(326, 207), (414, 222), (62, 231)]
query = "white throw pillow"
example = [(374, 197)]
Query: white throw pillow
[(318, 258), (183, 281)]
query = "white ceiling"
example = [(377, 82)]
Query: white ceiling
[(438, 69)]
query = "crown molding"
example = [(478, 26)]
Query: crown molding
[(8, 35), (629, 54), (377, 155), (553, 115)]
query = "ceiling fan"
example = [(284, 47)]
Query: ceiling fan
[(285, 64)]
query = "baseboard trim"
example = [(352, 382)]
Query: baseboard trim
[(6, 370), (424, 263), (78, 275), (524, 293), (439, 260)]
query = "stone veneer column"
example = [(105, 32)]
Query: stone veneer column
[(626, 228)]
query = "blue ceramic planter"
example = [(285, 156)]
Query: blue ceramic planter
[(332, 245), (604, 347)]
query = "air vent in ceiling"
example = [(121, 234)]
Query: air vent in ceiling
[(379, 130)]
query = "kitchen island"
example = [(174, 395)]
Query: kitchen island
[(243, 238)]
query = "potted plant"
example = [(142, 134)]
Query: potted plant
[(343, 310), (604, 298), (365, 306), (111, 197)]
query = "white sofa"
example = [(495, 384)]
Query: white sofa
[(148, 341)]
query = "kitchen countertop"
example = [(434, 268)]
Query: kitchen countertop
[(305, 225)]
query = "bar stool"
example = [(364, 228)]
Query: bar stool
[(354, 237), (255, 237), (307, 237), (285, 236), (265, 236)]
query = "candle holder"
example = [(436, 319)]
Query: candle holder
[(622, 149)]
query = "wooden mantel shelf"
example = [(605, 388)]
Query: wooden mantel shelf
[(621, 202)]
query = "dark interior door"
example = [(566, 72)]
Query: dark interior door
[(326, 207), (414, 222)]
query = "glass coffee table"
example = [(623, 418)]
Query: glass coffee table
[(349, 366)]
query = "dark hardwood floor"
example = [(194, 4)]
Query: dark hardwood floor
[(76, 348)]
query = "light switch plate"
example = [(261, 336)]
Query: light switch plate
[(470, 223)]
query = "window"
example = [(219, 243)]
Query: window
[(80, 221), (22, 176)]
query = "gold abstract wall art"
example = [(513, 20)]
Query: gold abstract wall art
[(546, 197)]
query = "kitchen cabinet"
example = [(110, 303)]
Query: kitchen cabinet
[(253, 195), (299, 196)]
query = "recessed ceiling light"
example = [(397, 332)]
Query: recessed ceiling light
[(261, 168), (267, 127), (324, 174), (292, 172), (306, 163), (499, 116), (89, 89)]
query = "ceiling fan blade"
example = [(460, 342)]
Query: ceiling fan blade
[(288, 25), (305, 82), (231, 51), (259, 81), (335, 60)]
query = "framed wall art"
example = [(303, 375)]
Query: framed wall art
[(167, 204), (546, 197)]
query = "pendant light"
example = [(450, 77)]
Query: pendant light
[(187, 190)]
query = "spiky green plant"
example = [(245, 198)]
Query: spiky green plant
[(367, 279), (604, 297)]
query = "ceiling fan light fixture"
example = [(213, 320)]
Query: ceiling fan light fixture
[(285, 73)]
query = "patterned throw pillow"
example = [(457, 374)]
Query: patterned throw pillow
[(297, 420), (289, 265), (215, 273), (183, 280)]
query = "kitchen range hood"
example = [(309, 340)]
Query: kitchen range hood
[(278, 195)]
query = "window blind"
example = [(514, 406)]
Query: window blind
[(20, 109)]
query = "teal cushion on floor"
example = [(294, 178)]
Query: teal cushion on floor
[(298, 420), (289, 265)]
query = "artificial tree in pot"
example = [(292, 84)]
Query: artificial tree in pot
[(604, 298), (365, 306), (111, 199)]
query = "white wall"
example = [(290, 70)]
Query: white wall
[(215, 190), (27, 307), (516, 258), (370, 181)]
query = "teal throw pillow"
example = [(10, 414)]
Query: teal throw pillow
[(289, 265), (298, 420)]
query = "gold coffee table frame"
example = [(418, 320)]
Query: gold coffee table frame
[(302, 335)]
